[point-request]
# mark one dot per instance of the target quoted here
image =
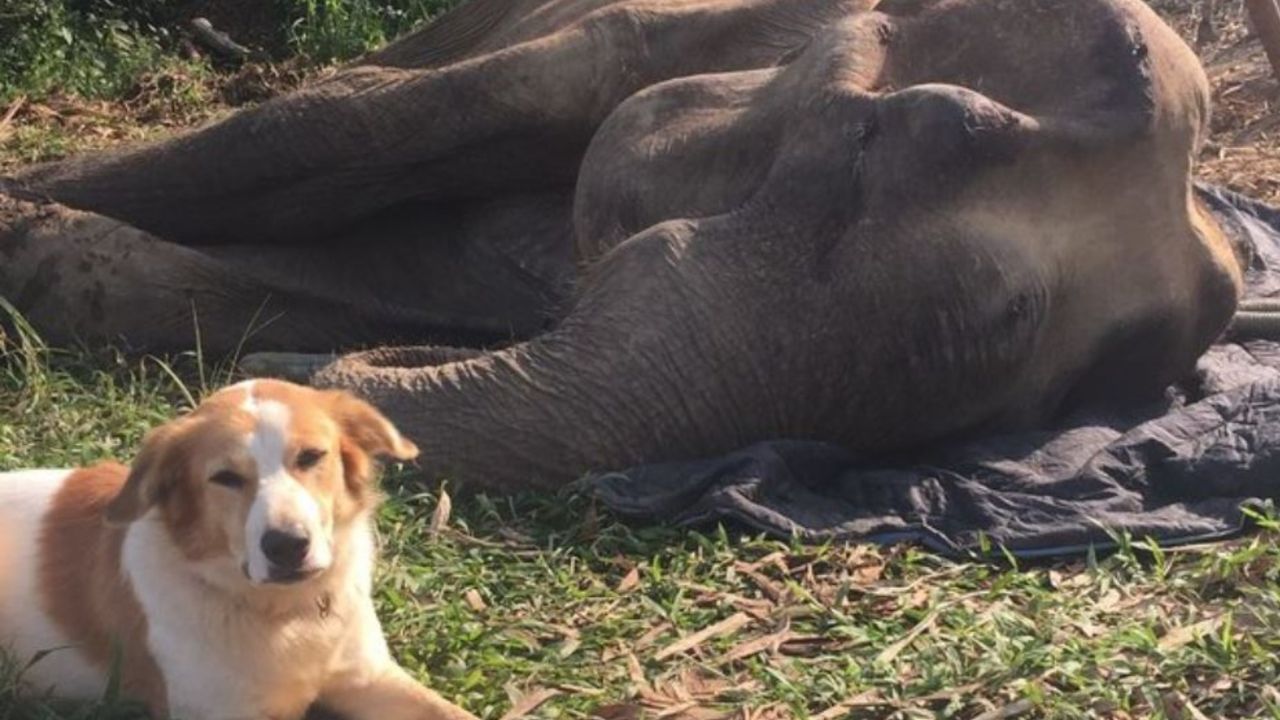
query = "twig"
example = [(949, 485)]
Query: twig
[(219, 42)]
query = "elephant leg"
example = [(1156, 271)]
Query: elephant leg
[(80, 276), (322, 160)]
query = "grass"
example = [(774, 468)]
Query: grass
[(91, 49), (328, 30), (101, 49), (548, 601)]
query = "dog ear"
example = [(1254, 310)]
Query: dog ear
[(363, 425), (366, 435), (153, 470)]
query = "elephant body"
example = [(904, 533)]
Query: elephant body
[(698, 223)]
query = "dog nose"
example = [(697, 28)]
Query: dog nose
[(285, 549)]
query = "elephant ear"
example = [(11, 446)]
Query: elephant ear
[(1093, 84), (367, 436)]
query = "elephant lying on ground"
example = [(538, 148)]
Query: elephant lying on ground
[(705, 223)]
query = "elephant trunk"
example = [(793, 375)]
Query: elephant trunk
[(533, 415)]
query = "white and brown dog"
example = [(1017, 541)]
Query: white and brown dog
[(227, 574)]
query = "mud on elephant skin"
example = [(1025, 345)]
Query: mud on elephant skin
[(777, 218)]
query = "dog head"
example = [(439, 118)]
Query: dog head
[(266, 474)]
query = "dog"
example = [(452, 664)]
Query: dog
[(226, 574)]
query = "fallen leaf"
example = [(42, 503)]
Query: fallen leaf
[(14, 107), (811, 645), (621, 711), (919, 598), (769, 642), (1108, 601), (773, 558), (530, 702), (630, 581), (869, 698), (474, 601), (440, 517), (730, 624), (651, 635), (572, 640), (868, 573), (1185, 634), (688, 711), (1088, 629), (1179, 707), (1012, 710), (636, 674), (578, 689), (770, 589)]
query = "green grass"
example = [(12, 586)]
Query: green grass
[(547, 594), (328, 30), (102, 49), (51, 44)]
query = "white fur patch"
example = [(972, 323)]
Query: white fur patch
[(266, 653), (281, 502), (25, 628)]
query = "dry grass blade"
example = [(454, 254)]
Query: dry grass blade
[(769, 643), (675, 710), (1012, 710), (890, 653), (865, 699), (572, 641), (618, 711), (1179, 707), (530, 702), (772, 590), (9, 114), (731, 624), (635, 673), (1184, 634), (651, 635), (776, 559), (579, 689)]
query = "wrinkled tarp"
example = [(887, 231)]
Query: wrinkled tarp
[(1187, 470)]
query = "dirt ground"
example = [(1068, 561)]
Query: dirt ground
[(1243, 153)]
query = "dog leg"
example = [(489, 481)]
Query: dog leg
[(389, 695)]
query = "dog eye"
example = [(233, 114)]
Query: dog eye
[(307, 459), (228, 479)]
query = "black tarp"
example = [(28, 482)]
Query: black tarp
[(1189, 469)]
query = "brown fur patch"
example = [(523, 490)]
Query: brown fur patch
[(83, 586), (164, 475)]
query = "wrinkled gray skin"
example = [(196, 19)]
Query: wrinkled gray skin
[(705, 223)]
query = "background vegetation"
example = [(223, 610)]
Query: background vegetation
[(98, 49)]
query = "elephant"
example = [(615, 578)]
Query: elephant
[(617, 232)]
